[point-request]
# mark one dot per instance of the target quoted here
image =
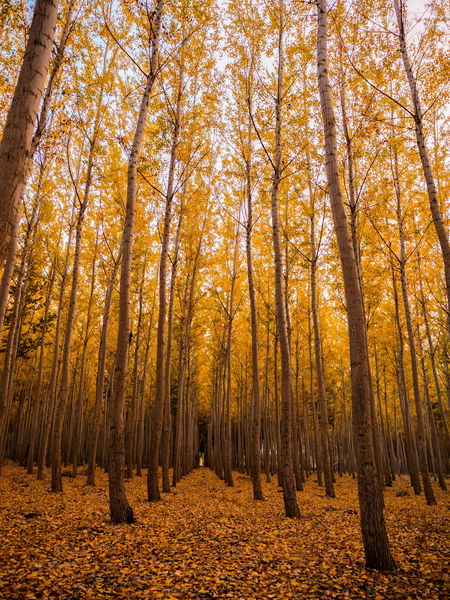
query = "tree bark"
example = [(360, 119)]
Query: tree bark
[(421, 440), (411, 455), (376, 546), (426, 166), (100, 378), (37, 136), (120, 510), (256, 394), (37, 401), (6, 381), (65, 367), (160, 393), (80, 398), (165, 441), (323, 410), (433, 429), (42, 455), (287, 474), (22, 116), (130, 430)]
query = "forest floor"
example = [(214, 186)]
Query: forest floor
[(205, 540)]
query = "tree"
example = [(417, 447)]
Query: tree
[(287, 475), (373, 526), (256, 394), (121, 511), (22, 116), (161, 379), (323, 409), (426, 166)]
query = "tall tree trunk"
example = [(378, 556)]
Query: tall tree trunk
[(45, 439), (256, 394), (231, 311), (22, 116), (80, 399), (6, 380), (385, 450), (373, 526), (120, 510), (353, 198), (165, 442), (37, 136), (185, 326), (294, 436), (178, 441), (160, 393), (287, 474), (5, 283), (411, 455), (65, 367), (316, 451), (142, 394), (100, 378), (323, 411), (130, 434), (430, 414), (421, 439), (428, 174), (432, 352), (37, 400)]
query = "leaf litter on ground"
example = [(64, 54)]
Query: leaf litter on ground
[(206, 540)]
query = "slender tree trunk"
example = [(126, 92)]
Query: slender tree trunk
[(65, 367), (268, 450), (22, 116), (353, 205), (9, 369), (160, 392), (100, 379), (287, 474), (430, 414), (428, 174), (432, 352), (80, 400), (37, 136), (5, 283), (385, 451), (165, 442), (294, 436), (6, 381), (316, 446), (230, 310), (178, 443), (421, 439), (185, 325), (256, 394), (37, 401), (120, 510), (42, 455), (411, 455), (130, 437), (323, 410), (353, 200), (373, 526), (141, 426)]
